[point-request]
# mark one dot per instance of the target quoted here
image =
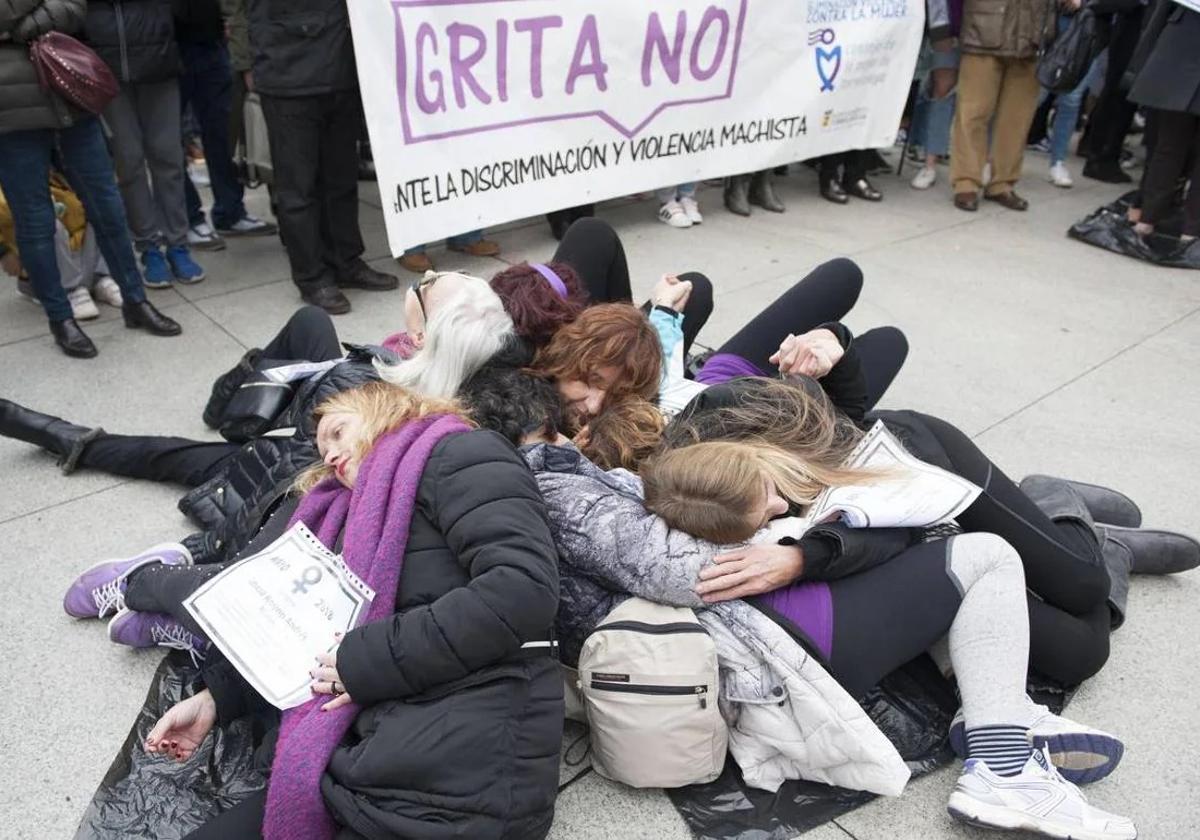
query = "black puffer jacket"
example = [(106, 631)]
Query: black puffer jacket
[(136, 38), (460, 730), (301, 47), (23, 103)]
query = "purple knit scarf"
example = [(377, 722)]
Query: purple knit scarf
[(375, 518)]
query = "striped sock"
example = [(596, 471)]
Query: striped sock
[(1004, 749)]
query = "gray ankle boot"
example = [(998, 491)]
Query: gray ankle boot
[(1118, 559), (762, 192), (1106, 505), (1154, 552), (737, 194)]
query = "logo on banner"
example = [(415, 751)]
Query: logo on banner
[(829, 61), (466, 66)]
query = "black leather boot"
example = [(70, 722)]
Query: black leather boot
[(72, 340), (864, 189), (831, 189), (737, 195), (329, 298), (1105, 505), (362, 276), (762, 192), (226, 385), (1154, 552), (66, 440), (143, 315)]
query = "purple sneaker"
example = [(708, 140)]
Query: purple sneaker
[(100, 590), (145, 629)]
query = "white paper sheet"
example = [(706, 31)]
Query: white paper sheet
[(272, 613)]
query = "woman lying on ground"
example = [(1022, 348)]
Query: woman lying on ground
[(467, 326), (446, 524), (852, 617)]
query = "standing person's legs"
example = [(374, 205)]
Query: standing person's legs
[(1065, 119), (979, 80), (1177, 138), (25, 179), (88, 168), (828, 292), (337, 179), (122, 116), (154, 458), (1113, 114), (309, 334), (294, 127), (593, 249), (209, 91), (1015, 107), (157, 105)]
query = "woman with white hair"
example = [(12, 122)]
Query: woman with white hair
[(454, 324)]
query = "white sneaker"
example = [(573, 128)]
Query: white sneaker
[(986, 178), (1060, 176), (925, 178), (107, 291), (674, 215), (82, 305), (1036, 799), (249, 226), (201, 237), (692, 209)]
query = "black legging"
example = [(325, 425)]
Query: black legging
[(309, 335), (593, 249), (827, 293)]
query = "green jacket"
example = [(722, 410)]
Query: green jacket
[(1007, 28), (240, 55)]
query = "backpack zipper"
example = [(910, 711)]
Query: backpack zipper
[(656, 629), (699, 691)]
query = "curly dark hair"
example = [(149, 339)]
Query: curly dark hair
[(512, 401), (535, 307)]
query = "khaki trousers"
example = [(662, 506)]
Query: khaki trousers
[(1000, 94)]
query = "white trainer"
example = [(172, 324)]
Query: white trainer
[(107, 291), (672, 213), (1060, 176), (1036, 799), (692, 208), (201, 237), (925, 178), (82, 305)]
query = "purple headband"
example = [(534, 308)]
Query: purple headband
[(553, 279)]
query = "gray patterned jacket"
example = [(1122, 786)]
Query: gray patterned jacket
[(787, 717)]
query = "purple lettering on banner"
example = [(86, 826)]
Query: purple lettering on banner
[(711, 14), (657, 39), (429, 106), (707, 76), (589, 39), (535, 27), (460, 68)]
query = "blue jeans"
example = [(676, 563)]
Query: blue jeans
[(460, 241), (25, 178), (1067, 107), (676, 193), (932, 117), (207, 85)]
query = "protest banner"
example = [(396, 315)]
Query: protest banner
[(484, 111)]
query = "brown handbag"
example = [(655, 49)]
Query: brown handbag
[(73, 71)]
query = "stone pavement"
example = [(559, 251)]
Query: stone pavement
[(1055, 356)]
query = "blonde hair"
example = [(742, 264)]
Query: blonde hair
[(383, 408), (710, 490)]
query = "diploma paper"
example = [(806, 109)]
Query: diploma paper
[(273, 612)]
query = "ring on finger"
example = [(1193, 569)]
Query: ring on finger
[(335, 689)]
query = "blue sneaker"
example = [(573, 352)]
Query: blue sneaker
[(183, 266), (156, 274)]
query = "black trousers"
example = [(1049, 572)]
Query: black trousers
[(1113, 115), (1176, 145), (827, 293), (845, 166), (593, 249), (309, 335), (314, 155)]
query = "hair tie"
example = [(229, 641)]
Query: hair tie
[(553, 279)]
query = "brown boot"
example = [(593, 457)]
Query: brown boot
[(417, 262), (479, 248), (1008, 199), (968, 201)]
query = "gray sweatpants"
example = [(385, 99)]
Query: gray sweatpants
[(77, 268), (146, 134)]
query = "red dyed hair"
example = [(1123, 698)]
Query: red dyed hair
[(608, 335), (536, 309)]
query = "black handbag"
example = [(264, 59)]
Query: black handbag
[(254, 406), (1067, 60)]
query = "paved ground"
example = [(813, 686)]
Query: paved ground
[(1057, 357)]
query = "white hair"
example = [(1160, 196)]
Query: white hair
[(467, 328)]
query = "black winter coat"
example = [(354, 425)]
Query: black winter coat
[(460, 728), (301, 47), (1168, 60), (199, 21), (23, 103), (136, 38)]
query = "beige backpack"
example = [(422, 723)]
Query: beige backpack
[(648, 680)]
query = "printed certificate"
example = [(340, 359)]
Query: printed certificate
[(272, 613)]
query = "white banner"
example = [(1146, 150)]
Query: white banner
[(485, 111)]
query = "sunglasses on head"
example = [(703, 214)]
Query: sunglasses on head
[(419, 283)]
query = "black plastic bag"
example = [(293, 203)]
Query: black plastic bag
[(1108, 228), (913, 706), (152, 797)]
